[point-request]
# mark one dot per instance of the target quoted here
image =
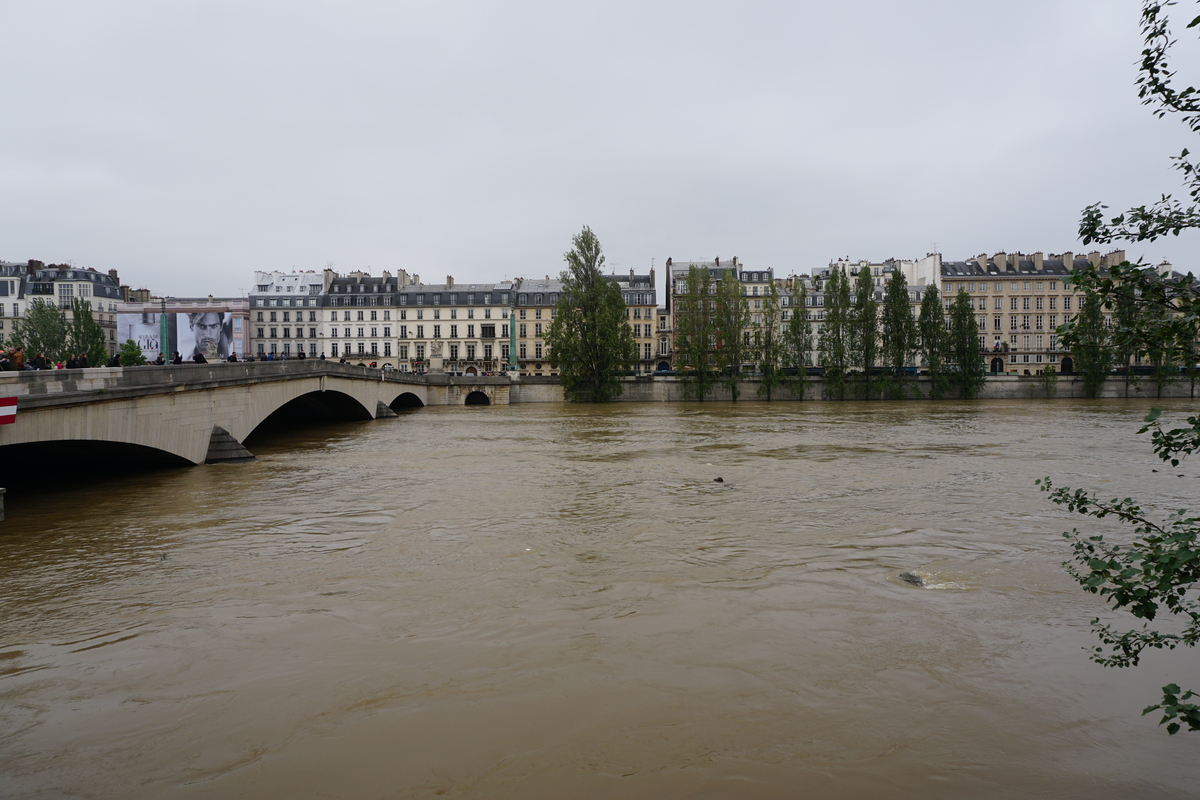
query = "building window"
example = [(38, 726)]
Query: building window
[(361, 348), (454, 352), (437, 331)]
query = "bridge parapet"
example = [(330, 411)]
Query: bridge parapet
[(41, 388)]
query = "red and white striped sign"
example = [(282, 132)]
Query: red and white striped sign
[(8, 410)]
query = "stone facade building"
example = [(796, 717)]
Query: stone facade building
[(59, 284)]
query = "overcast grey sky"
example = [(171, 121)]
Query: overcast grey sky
[(189, 143)]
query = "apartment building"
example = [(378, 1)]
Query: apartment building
[(641, 309), (465, 324), (1020, 301), (59, 284), (285, 311)]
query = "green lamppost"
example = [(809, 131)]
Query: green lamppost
[(162, 332)]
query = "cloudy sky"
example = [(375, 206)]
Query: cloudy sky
[(189, 143)]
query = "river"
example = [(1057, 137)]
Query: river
[(553, 601)]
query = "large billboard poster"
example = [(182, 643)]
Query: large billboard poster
[(209, 333), (144, 329)]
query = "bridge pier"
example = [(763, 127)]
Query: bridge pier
[(222, 447)]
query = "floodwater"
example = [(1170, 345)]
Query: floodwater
[(550, 601)]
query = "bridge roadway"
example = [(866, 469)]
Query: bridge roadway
[(198, 413)]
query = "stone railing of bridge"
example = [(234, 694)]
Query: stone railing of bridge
[(42, 388)]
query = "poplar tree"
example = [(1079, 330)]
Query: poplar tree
[(731, 321), (931, 333), (769, 340), (797, 340), (969, 374), (1086, 337), (836, 333), (43, 330), (695, 333), (85, 334), (899, 331), (1123, 337), (865, 328), (591, 343)]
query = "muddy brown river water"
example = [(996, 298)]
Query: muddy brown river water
[(550, 601)]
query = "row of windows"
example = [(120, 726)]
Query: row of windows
[(998, 286), (485, 332)]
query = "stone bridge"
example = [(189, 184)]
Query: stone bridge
[(198, 413)]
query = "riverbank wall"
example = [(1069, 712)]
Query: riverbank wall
[(670, 389)]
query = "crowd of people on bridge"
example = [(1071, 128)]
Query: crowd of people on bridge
[(16, 359)]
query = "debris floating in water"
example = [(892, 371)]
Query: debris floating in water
[(909, 577), (718, 480)]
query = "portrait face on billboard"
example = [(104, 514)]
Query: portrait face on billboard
[(209, 333)]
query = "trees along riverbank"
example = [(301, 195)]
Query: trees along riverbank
[(590, 343), (45, 329)]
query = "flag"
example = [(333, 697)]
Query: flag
[(8, 410)]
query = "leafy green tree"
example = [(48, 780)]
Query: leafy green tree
[(131, 354), (85, 334), (731, 321), (835, 338), (1049, 381), (931, 333), (770, 344), (969, 374), (1086, 337), (1160, 569), (1123, 338), (864, 329), (695, 333), (590, 342), (1156, 88), (43, 330), (899, 331), (797, 341)]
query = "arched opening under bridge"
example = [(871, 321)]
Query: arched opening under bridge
[(406, 400)]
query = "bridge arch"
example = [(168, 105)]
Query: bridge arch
[(314, 406), (406, 400), (40, 464), (477, 398)]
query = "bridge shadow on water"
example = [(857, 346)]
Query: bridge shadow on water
[(50, 465)]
